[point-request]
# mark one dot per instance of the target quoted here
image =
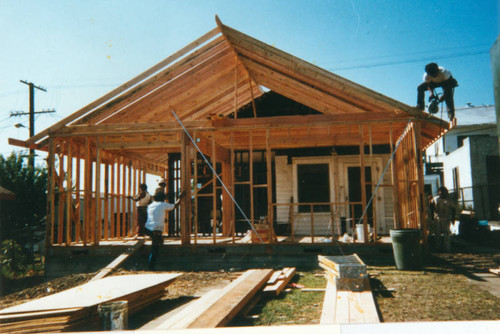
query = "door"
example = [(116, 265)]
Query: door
[(354, 193)]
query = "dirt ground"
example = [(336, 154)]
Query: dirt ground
[(468, 261)]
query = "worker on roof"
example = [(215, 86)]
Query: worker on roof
[(437, 76)]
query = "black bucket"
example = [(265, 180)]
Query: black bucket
[(407, 249)]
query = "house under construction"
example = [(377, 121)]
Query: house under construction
[(261, 140)]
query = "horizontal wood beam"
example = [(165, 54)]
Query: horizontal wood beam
[(139, 145), (25, 144)]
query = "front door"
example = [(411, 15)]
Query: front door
[(354, 185)]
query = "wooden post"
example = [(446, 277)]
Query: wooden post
[(106, 197), (250, 179), (227, 218), (69, 186), (195, 171), (60, 181), (269, 165), (130, 206), (119, 209), (374, 196), (214, 192), (186, 187), (123, 199), (98, 212), (112, 204), (363, 183), (395, 199), (235, 86), (78, 226), (232, 208), (49, 229), (87, 165), (420, 178)]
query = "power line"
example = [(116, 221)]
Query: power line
[(411, 60), (31, 113)]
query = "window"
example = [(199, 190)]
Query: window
[(313, 182), (456, 180)]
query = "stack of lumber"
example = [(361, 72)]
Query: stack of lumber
[(278, 281), (262, 231), (76, 308), (217, 307), (348, 272), (348, 298)]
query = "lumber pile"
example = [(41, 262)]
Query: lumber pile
[(262, 234), (495, 271), (348, 272), (76, 308), (278, 281), (219, 306), (348, 298)]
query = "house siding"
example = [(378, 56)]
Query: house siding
[(322, 221)]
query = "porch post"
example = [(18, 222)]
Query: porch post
[(363, 182), (185, 207), (269, 187), (98, 212), (49, 228), (420, 179)]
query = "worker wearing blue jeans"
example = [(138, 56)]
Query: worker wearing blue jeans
[(155, 222)]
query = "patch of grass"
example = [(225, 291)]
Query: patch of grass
[(435, 294), (294, 306)]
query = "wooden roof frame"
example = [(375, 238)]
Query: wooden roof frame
[(207, 81)]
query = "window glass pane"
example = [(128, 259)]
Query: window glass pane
[(313, 186)]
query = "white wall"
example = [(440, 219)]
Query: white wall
[(286, 187), (461, 159)]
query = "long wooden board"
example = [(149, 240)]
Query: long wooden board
[(227, 307), (119, 260)]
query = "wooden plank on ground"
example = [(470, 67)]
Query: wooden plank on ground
[(329, 304), (189, 312), (348, 298), (342, 307), (232, 302), (284, 277), (119, 260), (495, 271)]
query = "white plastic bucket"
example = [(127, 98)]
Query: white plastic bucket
[(113, 315), (360, 232)]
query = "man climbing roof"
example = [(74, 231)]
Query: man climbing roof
[(437, 76)]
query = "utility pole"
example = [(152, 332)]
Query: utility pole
[(32, 86)]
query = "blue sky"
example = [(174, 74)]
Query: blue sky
[(80, 50)]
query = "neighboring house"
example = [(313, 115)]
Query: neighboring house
[(466, 161), (293, 144)]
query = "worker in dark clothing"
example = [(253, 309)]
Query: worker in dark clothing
[(437, 76), (142, 199)]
